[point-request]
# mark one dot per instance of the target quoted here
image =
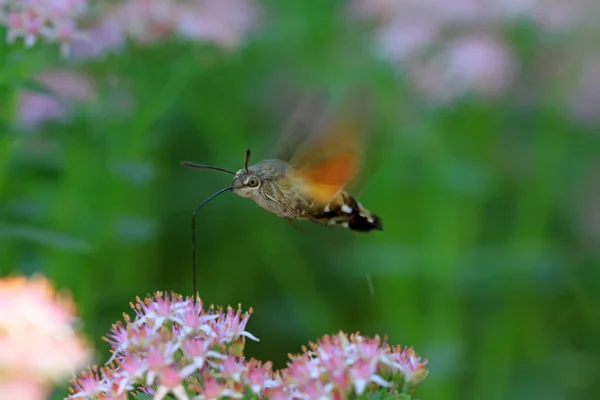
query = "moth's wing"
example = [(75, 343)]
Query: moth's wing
[(329, 160), (306, 118)]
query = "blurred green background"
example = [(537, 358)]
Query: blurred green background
[(489, 264)]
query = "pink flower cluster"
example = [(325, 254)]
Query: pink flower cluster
[(338, 366), (64, 88), (450, 48), (176, 346), (223, 22), (172, 346), (38, 345), (53, 20)]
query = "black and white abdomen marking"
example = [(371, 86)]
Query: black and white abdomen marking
[(349, 213)]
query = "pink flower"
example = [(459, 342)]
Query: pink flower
[(346, 363), (231, 368), (451, 48), (170, 381), (88, 384), (230, 325), (27, 25), (23, 388), (64, 86), (258, 376), (38, 344), (213, 390), (198, 350), (478, 64), (159, 353), (160, 347), (409, 364), (225, 23), (54, 20)]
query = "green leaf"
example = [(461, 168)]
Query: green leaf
[(143, 396), (375, 396), (383, 395)]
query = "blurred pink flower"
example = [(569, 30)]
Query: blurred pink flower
[(444, 62), (15, 387), (223, 22), (479, 64), (559, 15), (38, 345), (146, 20), (452, 47), (53, 20), (64, 86), (401, 42)]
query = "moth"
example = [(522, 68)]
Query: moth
[(309, 182), (306, 180)]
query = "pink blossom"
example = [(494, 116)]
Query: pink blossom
[(158, 347), (478, 64), (453, 47), (231, 368), (558, 15), (89, 383), (213, 390), (178, 391), (158, 353), (38, 344), (170, 380), (258, 376), (53, 20), (230, 325), (64, 87), (346, 363), (27, 25), (225, 23), (23, 388), (409, 364)]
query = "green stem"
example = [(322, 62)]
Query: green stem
[(8, 106)]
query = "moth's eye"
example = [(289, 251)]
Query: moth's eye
[(253, 182)]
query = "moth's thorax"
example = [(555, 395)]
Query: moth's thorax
[(265, 169), (274, 199)]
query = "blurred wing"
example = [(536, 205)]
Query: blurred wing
[(304, 121), (328, 162)]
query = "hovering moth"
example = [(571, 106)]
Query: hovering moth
[(308, 180)]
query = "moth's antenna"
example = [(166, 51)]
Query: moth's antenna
[(199, 166), (194, 235), (247, 159)]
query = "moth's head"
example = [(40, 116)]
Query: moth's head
[(248, 181)]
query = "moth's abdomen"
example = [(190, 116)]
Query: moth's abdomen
[(349, 213)]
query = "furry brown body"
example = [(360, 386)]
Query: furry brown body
[(273, 188)]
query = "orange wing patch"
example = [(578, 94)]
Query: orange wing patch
[(328, 164)]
